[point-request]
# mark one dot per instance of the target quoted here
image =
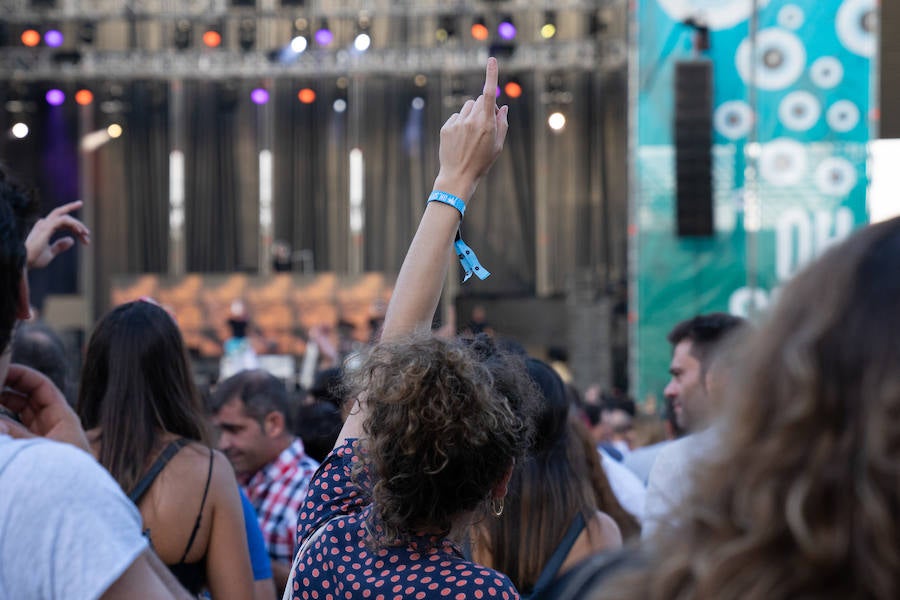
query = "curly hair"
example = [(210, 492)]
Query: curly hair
[(804, 497), (443, 429)]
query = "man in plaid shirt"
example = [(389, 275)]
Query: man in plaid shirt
[(252, 413)]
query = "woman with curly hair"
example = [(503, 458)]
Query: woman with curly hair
[(432, 440), (802, 499)]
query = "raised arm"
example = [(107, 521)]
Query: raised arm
[(471, 140)]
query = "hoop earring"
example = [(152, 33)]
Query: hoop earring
[(497, 506)]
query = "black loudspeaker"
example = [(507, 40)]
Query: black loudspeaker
[(889, 60), (693, 147)]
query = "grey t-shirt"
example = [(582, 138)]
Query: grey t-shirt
[(66, 528)]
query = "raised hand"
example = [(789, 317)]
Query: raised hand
[(40, 251), (472, 139)]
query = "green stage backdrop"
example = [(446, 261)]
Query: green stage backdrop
[(813, 102)]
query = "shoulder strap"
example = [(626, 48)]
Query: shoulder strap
[(559, 556), (155, 469), (202, 504)]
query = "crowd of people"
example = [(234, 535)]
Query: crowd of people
[(445, 466)]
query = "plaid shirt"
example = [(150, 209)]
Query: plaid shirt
[(276, 492)]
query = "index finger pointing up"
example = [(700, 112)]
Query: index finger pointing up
[(490, 87)]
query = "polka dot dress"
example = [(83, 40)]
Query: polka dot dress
[(340, 565)]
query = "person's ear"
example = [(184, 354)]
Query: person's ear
[(502, 486), (23, 307), (273, 424)]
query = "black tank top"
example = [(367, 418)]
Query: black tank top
[(191, 575)]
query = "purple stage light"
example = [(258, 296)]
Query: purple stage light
[(324, 37), (507, 30), (55, 97), (259, 96), (53, 38)]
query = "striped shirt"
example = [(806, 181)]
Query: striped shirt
[(277, 491)]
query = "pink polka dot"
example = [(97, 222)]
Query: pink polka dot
[(479, 594), (445, 592), (420, 595), (409, 590), (460, 597), (479, 581), (433, 586)]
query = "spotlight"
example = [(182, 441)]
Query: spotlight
[(420, 80), (20, 131), (84, 97), (247, 34), (54, 38), (506, 29), (446, 28), (324, 37), (513, 89), (31, 38), (306, 96), (212, 38), (114, 130), (184, 33), (418, 103), (362, 41), (556, 121), (259, 96), (299, 44), (340, 105), (548, 29), (55, 97), (479, 30)]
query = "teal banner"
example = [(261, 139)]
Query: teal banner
[(792, 117)]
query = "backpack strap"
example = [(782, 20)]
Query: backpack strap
[(155, 469), (548, 575)]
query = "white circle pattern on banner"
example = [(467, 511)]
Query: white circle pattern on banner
[(791, 17), (733, 119), (857, 26), (783, 162), (836, 177), (780, 59), (827, 72), (717, 14), (799, 111), (843, 116)]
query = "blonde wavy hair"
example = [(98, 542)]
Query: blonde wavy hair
[(802, 499)]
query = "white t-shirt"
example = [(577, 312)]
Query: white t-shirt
[(66, 528), (625, 485)]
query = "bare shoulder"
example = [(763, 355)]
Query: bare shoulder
[(605, 531), (222, 482)]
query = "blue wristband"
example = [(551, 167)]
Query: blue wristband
[(450, 199), (464, 253)]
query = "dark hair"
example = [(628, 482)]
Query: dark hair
[(318, 425), (444, 426), (328, 386), (18, 212), (548, 489), (37, 346), (705, 332), (136, 384), (800, 499), (260, 391)]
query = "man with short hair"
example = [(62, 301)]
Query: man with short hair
[(696, 345), (252, 414), (66, 528), (36, 345)]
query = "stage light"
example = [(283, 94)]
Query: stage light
[(306, 96), (53, 38), (513, 89), (340, 105), (362, 41), (556, 121), (418, 103), (299, 44), (184, 32), (247, 34), (479, 30), (324, 37), (212, 38), (20, 131), (420, 80), (259, 96), (446, 28), (114, 130), (506, 29), (55, 97), (31, 38), (548, 29), (84, 97)]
